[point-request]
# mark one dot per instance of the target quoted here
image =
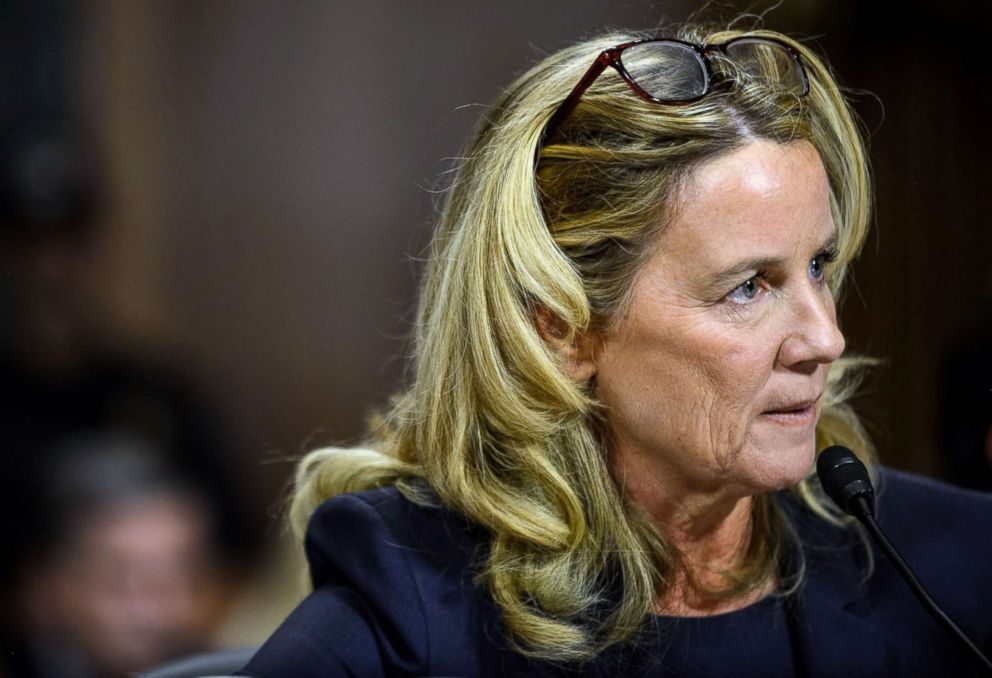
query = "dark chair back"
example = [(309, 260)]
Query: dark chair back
[(205, 665)]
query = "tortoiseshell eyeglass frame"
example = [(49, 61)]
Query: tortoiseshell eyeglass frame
[(612, 57)]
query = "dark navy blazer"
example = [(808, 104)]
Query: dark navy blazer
[(394, 594)]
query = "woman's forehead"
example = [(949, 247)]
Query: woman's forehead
[(765, 196), (758, 171)]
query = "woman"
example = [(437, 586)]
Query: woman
[(627, 354)]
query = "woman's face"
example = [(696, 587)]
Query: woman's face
[(714, 377)]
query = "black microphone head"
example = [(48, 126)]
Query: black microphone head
[(844, 478)]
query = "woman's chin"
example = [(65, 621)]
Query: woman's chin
[(775, 468)]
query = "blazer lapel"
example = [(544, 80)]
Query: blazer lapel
[(836, 626), (842, 634)]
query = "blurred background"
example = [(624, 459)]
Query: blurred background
[(212, 220)]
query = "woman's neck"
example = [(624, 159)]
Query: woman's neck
[(710, 529)]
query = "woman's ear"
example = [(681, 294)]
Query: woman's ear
[(576, 352)]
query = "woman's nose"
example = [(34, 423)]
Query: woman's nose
[(814, 337)]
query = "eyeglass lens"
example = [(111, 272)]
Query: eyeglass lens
[(668, 71), (671, 71), (765, 60)]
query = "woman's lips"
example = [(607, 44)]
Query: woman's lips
[(800, 413)]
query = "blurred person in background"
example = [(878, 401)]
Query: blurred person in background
[(123, 572), (61, 376)]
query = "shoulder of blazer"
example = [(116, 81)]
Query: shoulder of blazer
[(869, 618), (416, 568), (943, 533), (386, 523)]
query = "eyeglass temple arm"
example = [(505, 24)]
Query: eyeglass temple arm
[(572, 100)]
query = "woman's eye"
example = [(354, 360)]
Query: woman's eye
[(816, 265), (745, 292)]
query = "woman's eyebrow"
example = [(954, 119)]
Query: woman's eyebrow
[(733, 273)]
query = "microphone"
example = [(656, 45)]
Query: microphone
[(845, 480)]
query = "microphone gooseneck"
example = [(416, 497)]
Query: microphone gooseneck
[(845, 480)]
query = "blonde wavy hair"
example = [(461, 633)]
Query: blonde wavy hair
[(492, 426)]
